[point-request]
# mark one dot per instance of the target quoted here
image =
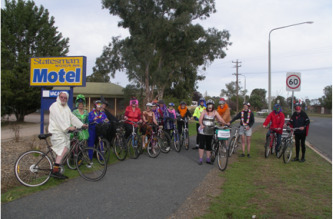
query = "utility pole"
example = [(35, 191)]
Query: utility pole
[(237, 66)]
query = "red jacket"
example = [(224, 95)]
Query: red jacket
[(277, 121), (133, 116)]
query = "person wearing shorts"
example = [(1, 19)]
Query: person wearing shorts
[(246, 122)]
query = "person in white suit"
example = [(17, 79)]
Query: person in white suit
[(61, 120)]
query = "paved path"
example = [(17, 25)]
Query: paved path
[(142, 188)]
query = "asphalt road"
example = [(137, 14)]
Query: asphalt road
[(142, 188), (320, 135)]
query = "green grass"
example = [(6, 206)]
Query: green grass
[(21, 191), (268, 188)]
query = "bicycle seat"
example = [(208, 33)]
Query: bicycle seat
[(44, 136)]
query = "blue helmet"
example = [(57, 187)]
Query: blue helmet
[(277, 108), (171, 104)]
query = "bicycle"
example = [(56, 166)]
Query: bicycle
[(33, 168), (271, 142), (102, 144), (133, 141), (287, 144), (152, 145), (219, 146), (166, 139), (234, 142), (176, 139), (119, 142), (184, 136)]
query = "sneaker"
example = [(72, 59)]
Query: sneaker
[(200, 162), (242, 155), (248, 155), (295, 159), (208, 162), (89, 165), (302, 160), (58, 175)]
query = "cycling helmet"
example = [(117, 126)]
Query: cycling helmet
[(160, 102), (202, 99), (182, 103), (134, 101), (171, 104), (298, 106), (210, 101), (104, 101), (277, 108), (222, 101), (149, 104)]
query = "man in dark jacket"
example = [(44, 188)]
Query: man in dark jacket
[(300, 120), (246, 123)]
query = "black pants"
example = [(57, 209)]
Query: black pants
[(206, 142), (300, 138)]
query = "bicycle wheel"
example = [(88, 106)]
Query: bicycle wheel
[(222, 155), (186, 140), (213, 152), (288, 152), (267, 147), (132, 144), (176, 142), (92, 170), (119, 147), (153, 148), (281, 150), (232, 145), (33, 168), (166, 141)]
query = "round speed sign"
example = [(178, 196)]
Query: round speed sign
[(293, 82)]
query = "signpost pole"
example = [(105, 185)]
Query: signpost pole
[(42, 113), (292, 102)]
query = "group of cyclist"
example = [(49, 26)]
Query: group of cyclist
[(158, 114), (299, 120)]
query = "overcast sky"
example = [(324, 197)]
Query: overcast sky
[(305, 48)]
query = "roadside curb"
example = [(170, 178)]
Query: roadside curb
[(316, 151)]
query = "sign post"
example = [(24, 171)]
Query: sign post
[(293, 83), (56, 72)]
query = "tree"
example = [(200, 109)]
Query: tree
[(231, 93), (26, 31), (164, 50), (258, 98), (326, 100)]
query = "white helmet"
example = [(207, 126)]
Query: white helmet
[(149, 104)]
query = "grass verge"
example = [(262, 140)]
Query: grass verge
[(268, 188)]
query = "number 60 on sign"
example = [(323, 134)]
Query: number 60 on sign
[(293, 81)]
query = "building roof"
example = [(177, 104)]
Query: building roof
[(96, 89)]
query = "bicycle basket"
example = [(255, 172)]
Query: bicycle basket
[(102, 129), (223, 134)]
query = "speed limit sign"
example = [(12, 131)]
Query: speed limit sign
[(293, 81)]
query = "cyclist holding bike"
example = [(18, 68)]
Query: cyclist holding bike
[(300, 120), (96, 116), (132, 114), (82, 115), (169, 118), (246, 123), (149, 121), (196, 115), (276, 117), (60, 120), (206, 129), (184, 113)]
